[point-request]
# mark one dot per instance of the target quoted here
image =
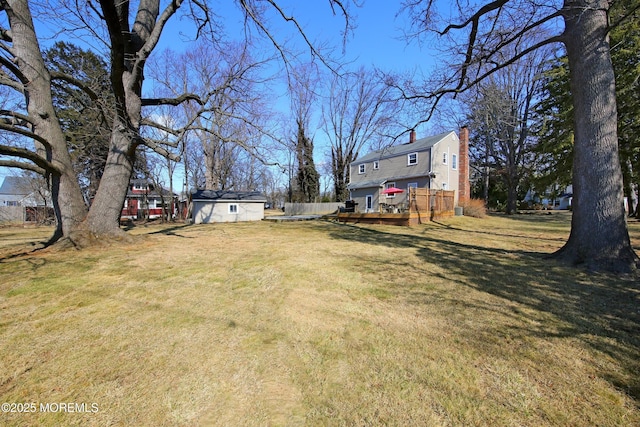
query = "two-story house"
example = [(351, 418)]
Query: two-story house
[(145, 201), (437, 162)]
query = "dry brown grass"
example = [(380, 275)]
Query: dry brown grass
[(459, 322)]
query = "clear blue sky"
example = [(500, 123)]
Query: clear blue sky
[(375, 42)]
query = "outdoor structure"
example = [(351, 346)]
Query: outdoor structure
[(211, 206), (554, 198), (380, 182), (423, 205), (144, 201), (24, 199), (21, 191)]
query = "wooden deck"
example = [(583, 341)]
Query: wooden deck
[(406, 219), (424, 206)]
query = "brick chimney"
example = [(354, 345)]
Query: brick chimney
[(464, 188), (412, 136)]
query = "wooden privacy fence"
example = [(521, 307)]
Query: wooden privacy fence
[(438, 203), (424, 205)]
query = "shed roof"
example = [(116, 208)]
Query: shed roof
[(225, 195), (396, 150)]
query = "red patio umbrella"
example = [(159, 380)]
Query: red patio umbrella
[(393, 190)]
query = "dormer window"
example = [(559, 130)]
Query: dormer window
[(361, 168), (140, 187), (412, 159)]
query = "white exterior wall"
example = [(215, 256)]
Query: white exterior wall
[(207, 212)]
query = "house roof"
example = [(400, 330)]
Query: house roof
[(16, 185), (225, 195), (152, 192), (380, 183), (366, 184), (397, 150)]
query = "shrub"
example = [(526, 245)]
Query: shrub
[(474, 208)]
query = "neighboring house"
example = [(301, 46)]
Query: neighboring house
[(438, 162), (22, 191), (209, 206), (561, 200), (144, 201)]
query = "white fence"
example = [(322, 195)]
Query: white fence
[(12, 214), (312, 208), (22, 214)]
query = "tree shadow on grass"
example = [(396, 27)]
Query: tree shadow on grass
[(172, 231), (601, 310)]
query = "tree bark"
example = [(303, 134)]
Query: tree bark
[(599, 237), (106, 209), (67, 198)]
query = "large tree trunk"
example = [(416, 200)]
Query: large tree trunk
[(67, 198), (599, 236), (127, 76), (106, 209)]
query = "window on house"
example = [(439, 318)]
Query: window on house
[(361, 169), (412, 159), (376, 165), (233, 208), (152, 204), (389, 185), (140, 187), (444, 158), (454, 161), (444, 185), (12, 203), (412, 185)]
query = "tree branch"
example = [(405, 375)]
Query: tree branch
[(10, 126), (15, 119), (158, 148), (26, 154), (146, 102), (23, 166)]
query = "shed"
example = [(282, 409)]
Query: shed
[(209, 206)]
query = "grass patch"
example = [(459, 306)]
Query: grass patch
[(456, 322)]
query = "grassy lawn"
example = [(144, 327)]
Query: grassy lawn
[(462, 322)]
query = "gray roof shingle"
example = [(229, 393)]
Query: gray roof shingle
[(249, 196)]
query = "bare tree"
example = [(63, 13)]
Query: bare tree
[(359, 111), (23, 71), (481, 34), (500, 116), (130, 37), (303, 85)]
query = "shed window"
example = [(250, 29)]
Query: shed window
[(412, 159), (233, 208)]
